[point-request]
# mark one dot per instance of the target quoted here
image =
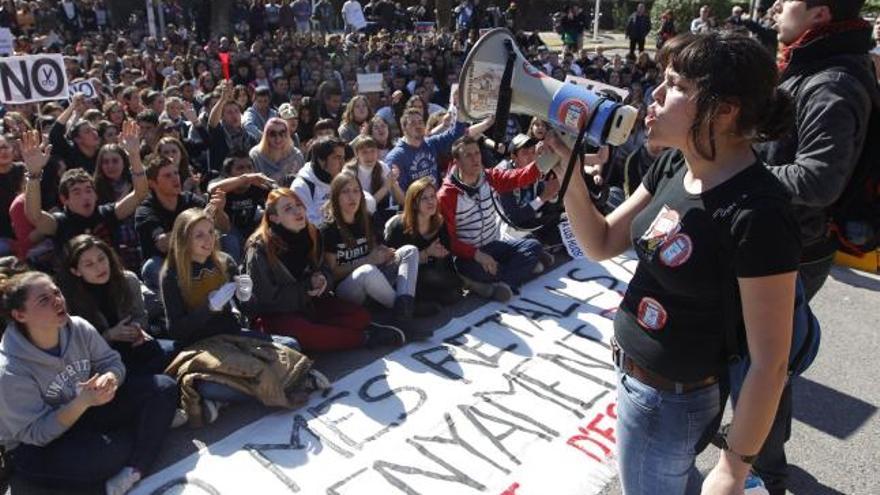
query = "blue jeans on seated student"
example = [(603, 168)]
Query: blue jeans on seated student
[(516, 259), (150, 271), (224, 393), (128, 431), (659, 435), (151, 357)]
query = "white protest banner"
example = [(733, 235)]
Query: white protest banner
[(369, 83), (31, 78), (6, 41), (568, 239), (596, 86), (511, 398), (85, 87)]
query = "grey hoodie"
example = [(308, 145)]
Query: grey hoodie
[(35, 384)]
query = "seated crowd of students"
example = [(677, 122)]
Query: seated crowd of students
[(114, 298)]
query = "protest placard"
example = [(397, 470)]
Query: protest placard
[(30, 78), (370, 83), (85, 87)]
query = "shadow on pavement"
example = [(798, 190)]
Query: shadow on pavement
[(801, 482), (832, 412), (856, 278)]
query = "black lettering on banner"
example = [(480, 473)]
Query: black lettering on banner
[(183, 483), (388, 470), (612, 282), (472, 413), (489, 360), (317, 411), (568, 363), (496, 318), (23, 84), (447, 356), (364, 394), (514, 380), (48, 81), (485, 396), (455, 439), (257, 453), (333, 489), (520, 373), (537, 314)]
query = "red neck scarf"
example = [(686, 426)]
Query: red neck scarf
[(819, 32)]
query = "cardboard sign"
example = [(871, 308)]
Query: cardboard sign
[(596, 86), (85, 87), (370, 83), (513, 398), (30, 78), (6, 41), (570, 242)]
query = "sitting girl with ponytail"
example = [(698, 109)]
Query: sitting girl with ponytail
[(70, 418)]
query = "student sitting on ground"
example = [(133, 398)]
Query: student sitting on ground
[(490, 266), (361, 266), (100, 291), (291, 295), (81, 213), (422, 226), (276, 154), (155, 216), (245, 191), (198, 285), (312, 183), (70, 418), (113, 182), (378, 181)]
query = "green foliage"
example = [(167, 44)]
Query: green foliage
[(872, 7), (684, 11)]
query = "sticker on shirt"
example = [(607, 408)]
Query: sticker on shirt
[(675, 251), (666, 224), (652, 315)]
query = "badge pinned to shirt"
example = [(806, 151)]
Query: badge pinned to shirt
[(676, 250), (652, 315), (666, 224)]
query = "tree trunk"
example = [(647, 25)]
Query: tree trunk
[(444, 14), (220, 23)]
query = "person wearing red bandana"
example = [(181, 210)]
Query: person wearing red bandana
[(825, 66)]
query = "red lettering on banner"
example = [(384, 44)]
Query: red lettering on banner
[(511, 490), (595, 433)]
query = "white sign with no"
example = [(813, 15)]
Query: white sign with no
[(31, 78)]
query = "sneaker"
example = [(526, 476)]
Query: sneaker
[(501, 292), (481, 289), (382, 335), (180, 418), (546, 259), (425, 308), (211, 410), (316, 380), (404, 307), (123, 481)]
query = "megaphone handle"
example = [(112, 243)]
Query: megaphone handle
[(505, 96)]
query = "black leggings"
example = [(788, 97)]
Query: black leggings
[(128, 431)]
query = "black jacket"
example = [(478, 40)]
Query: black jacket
[(832, 81)]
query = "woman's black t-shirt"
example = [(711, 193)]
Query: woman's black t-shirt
[(691, 249), (335, 243)]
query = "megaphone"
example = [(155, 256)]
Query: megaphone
[(495, 65)]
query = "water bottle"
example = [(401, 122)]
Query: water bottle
[(755, 486)]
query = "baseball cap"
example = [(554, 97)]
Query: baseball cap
[(521, 141)]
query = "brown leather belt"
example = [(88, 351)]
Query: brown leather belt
[(652, 379)]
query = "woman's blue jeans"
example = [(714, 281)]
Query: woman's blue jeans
[(659, 435)]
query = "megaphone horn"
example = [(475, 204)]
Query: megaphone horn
[(567, 107)]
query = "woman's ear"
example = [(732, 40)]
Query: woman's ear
[(18, 315), (726, 116)]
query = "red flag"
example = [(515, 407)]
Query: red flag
[(224, 61)]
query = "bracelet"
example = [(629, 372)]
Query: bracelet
[(29, 176), (139, 174)]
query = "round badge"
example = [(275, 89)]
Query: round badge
[(675, 251), (572, 113), (652, 314)]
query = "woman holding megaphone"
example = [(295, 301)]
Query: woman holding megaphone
[(707, 220)]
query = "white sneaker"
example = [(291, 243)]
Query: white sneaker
[(211, 410), (180, 418), (123, 481)]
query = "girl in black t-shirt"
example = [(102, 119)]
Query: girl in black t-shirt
[(361, 266), (709, 219), (421, 225)]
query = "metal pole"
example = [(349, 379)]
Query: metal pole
[(596, 20), (161, 11)]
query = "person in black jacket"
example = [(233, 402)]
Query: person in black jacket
[(637, 28), (826, 67)]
